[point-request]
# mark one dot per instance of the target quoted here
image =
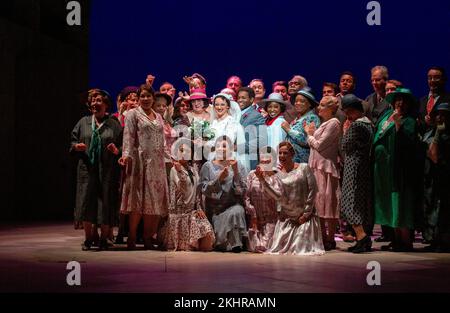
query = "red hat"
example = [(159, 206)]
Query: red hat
[(199, 93)]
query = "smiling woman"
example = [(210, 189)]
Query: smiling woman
[(96, 140), (145, 194)]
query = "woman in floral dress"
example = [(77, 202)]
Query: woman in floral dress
[(187, 227), (145, 191)]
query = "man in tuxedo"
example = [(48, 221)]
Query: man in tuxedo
[(251, 120), (437, 78), (376, 105), (436, 82)]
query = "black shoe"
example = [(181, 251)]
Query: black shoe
[(329, 245), (86, 245), (350, 249), (236, 249), (382, 239), (388, 247), (119, 240), (105, 244), (363, 245), (403, 248)]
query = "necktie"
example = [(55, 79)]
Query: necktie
[(430, 104)]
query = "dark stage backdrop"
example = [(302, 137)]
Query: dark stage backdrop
[(272, 39)]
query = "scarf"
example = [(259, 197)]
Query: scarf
[(95, 146), (270, 121)]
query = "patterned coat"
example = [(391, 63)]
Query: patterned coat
[(356, 183)]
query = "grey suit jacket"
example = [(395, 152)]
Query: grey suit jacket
[(374, 109), (254, 139)]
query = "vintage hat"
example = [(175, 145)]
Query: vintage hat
[(275, 97), (350, 101), (401, 91), (198, 93), (305, 92)]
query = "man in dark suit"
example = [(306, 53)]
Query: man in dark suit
[(376, 105), (436, 82), (251, 120)]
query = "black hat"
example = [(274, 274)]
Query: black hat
[(350, 101)]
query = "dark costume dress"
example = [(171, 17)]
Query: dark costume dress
[(97, 194), (357, 181)]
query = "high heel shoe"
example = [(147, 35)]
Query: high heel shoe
[(363, 245)]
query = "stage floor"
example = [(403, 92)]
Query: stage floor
[(33, 258)]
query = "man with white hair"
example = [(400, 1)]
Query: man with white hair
[(296, 84), (376, 104)]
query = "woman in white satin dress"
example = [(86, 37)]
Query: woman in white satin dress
[(297, 231)]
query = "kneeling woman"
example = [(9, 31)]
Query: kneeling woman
[(262, 208), (297, 230), (188, 227), (222, 181)]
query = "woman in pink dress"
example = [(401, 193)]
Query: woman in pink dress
[(324, 162), (145, 191)]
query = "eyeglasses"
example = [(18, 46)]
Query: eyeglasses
[(294, 83), (434, 78)]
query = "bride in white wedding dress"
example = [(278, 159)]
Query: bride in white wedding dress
[(225, 118)]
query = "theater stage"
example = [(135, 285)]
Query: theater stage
[(33, 258)]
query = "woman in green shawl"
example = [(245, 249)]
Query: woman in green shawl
[(396, 167), (95, 141)]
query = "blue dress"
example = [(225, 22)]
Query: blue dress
[(298, 137), (224, 204)]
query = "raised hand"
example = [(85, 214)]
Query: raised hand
[(80, 147), (201, 214), (178, 167), (253, 223), (302, 220), (310, 128), (259, 172), (285, 125), (224, 174), (113, 149), (234, 165), (150, 79), (125, 160)]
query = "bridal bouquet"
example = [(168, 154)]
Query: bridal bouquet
[(201, 130)]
